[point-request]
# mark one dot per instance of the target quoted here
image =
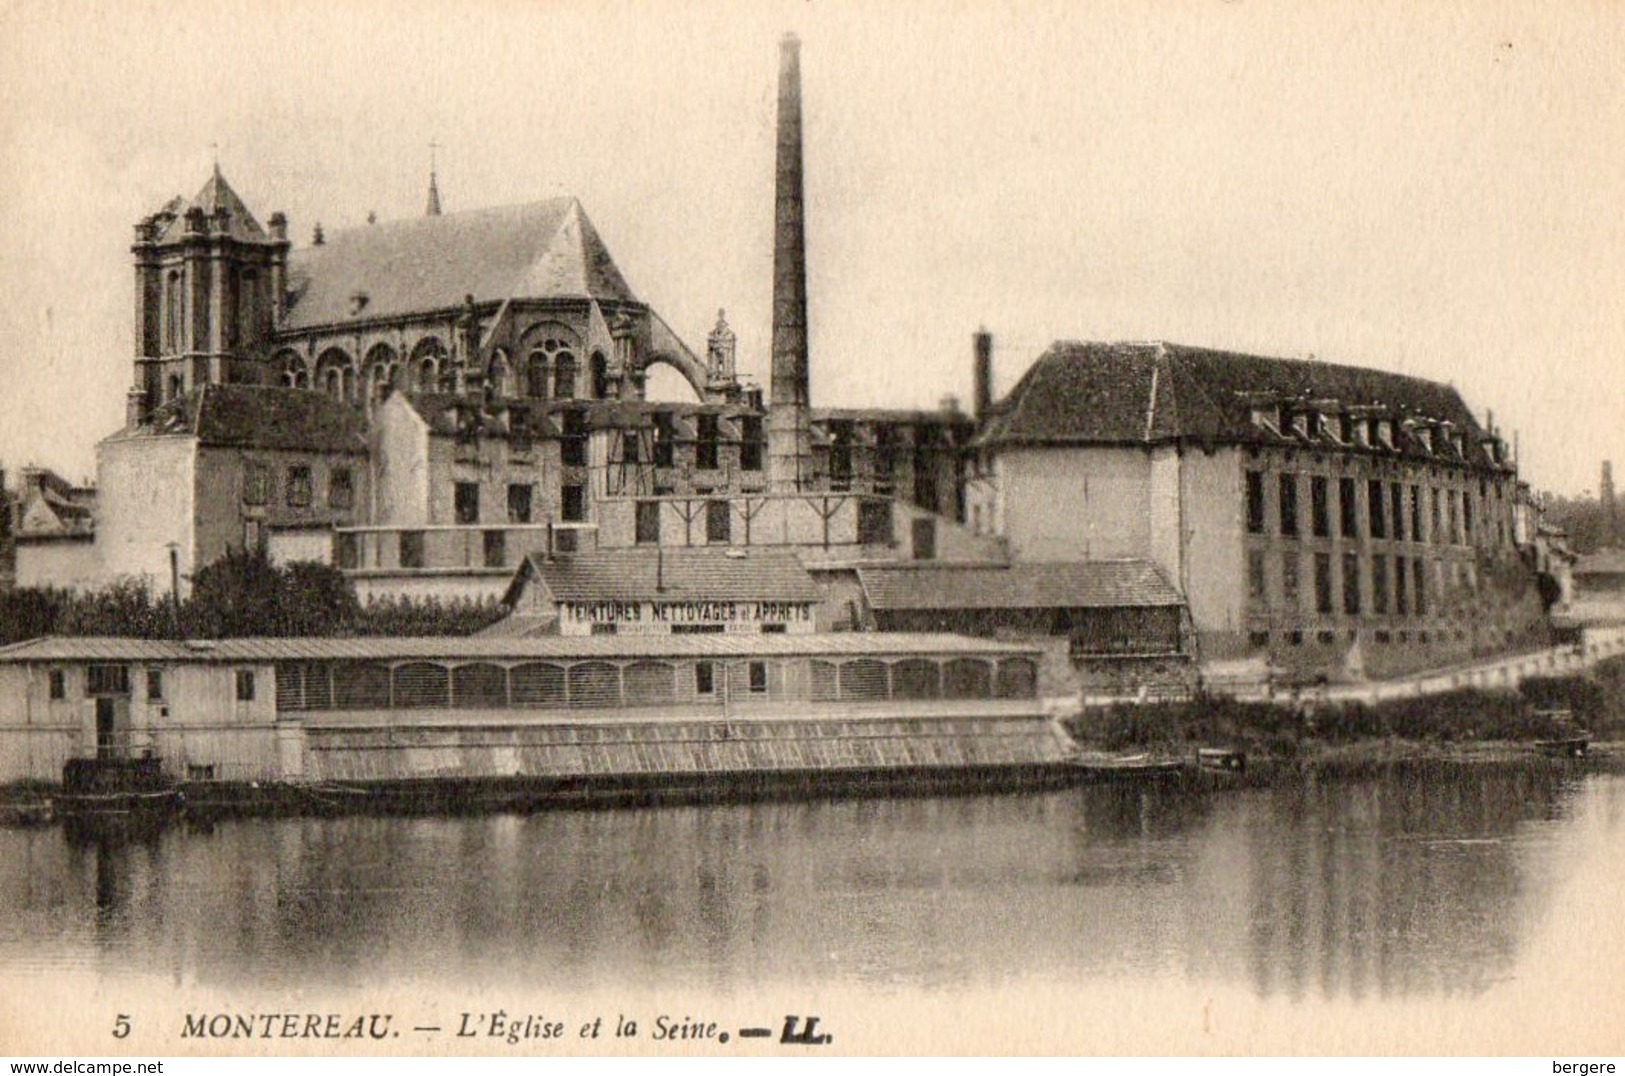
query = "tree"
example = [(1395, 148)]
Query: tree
[(243, 593)]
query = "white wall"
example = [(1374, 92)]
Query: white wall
[(1074, 504), (146, 500)]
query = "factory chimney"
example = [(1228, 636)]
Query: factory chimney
[(789, 441), (983, 373)]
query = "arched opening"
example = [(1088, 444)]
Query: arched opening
[(426, 364), (536, 376), (378, 372), (172, 312), (564, 376), (600, 376), (335, 373), (669, 379)]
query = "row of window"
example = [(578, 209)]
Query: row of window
[(521, 503), (372, 685), (103, 680), (1397, 584), (1392, 510), (259, 486), (1298, 637)]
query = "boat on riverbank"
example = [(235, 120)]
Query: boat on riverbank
[(438, 724)]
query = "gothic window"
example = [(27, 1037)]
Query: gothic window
[(600, 376), (536, 376), (564, 376), (172, 313)]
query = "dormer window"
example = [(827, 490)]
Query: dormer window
[(1345, 428), (1424, 434), (1362, 434), (1300, 424), (1385, 433), (1268, 417)]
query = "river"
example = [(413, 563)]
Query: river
[(1435, 889)]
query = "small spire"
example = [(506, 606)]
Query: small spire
[(433, 209)]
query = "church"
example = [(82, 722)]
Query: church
[(427, 402)]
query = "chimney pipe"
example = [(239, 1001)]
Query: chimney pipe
[(983, 372), (788, 435)]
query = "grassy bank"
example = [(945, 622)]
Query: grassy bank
[(1457, 719)]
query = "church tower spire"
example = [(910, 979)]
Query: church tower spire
[(433, 209)]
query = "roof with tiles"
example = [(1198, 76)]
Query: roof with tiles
[(1074, 585), (255, 416), (452, 648), (216, 195), (543, 250), (1148, 393), (672, 576)]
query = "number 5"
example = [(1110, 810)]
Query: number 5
[(121, 1026)]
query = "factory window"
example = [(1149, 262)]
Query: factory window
[(1416, 514), (107, 680), (245, 685), (705, 678), (519, 495), (874, 523), (411, 549), (1320, 516), (1348, 512), (718, 520), (340, 488), (256, 483), (1467, 516), (1351, 584), (573, 505), (1379, 583), (1256, 593), (1323, 582), (1289, 581), (1255, 502), (347, 550), (155, 685), (630, 449), (298, 487), (1433, 521), (648, 523), (1418, 576), (59, 684), (840, 455), (1289, 505), (757, 672), (496, 549), (573, 445), (705, 449), (1397, 499), (665, 439), (1374, 508), (751, 443), (1400, 593), (466, 502)]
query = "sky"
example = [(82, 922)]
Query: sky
[(1431, 188)]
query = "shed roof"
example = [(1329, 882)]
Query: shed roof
[(259, 416), (387, 648), (671, 576), (1070, 585)]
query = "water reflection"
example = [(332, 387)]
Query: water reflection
[(1416, 882)]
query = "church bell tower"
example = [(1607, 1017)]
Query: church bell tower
[(208, 280)]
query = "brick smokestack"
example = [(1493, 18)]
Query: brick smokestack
[(982, 374), (788, 438)]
